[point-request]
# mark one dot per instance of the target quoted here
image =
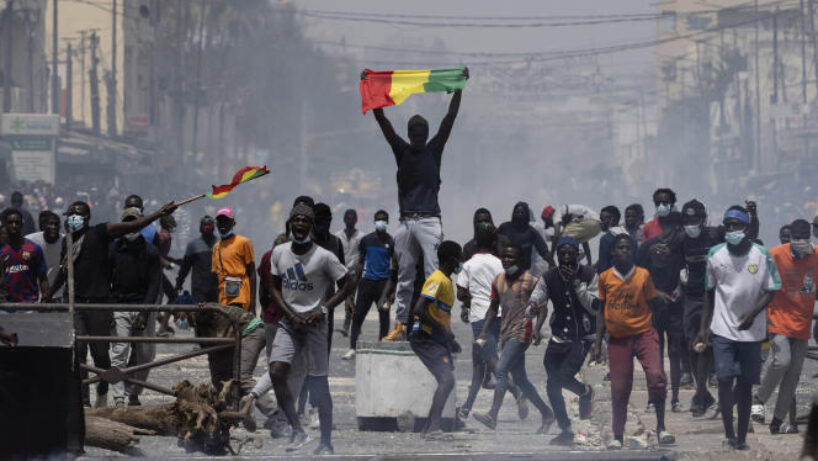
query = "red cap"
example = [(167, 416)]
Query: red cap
[(547, 212)]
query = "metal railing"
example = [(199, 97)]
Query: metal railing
[(115, 374)]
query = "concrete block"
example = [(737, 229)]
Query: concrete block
[(391, 382)]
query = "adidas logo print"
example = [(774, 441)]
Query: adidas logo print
[(296, 280)]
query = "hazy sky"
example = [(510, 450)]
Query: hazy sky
[(534, 39)]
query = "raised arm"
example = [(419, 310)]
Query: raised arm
[(447, 123), (118, 229), (386, 128)]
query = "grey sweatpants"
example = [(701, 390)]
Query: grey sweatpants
[(413, 239), (121, 352), (786, 359)]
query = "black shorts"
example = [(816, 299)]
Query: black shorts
[(737, 359), (434, 355), (668, 318)]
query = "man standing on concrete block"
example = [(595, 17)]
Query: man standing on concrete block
[(431, 337), (304, 272), (421, 230)]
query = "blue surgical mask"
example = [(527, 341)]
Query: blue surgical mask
[(75, 222), (512, 270), (225, 235), (303, 241), (663, 210), (734, 238), (693, 231), (381, 226), (172, 230)]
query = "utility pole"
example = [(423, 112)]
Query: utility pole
[(757, 162), (179, 99), (774, 99), (803, 54), (93, 79), (198, 88), (82, 74), (30, 59), (55, 78), (112, 77), (69, 83), (811, 12), (8, 15)]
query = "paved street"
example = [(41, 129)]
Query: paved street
[(513, 439)]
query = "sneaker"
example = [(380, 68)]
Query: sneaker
[(742, 446), (614, 444), (133, 401), (297, 440), (486, 419), (775, 426), (586, 403), (787, 428), (650, 408), (349, 355), (729, 444), (757, 413), (608, 378), (566, 438), (522, 407), (168, 332), (547, 420), (102, 401), (686, 379), (397, 334), (343, 332), (119, 403), (324, 449), (676, 407), (463, 413), (714, 412), (666, 438)]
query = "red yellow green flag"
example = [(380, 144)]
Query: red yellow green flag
[(245, 174), (392, 87)]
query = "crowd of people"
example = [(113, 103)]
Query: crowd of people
[(713, 298)]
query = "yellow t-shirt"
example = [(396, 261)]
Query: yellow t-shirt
[(439, 291), (236, 254)]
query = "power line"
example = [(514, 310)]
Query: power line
[(496, 22)]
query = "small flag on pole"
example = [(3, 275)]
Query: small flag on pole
[(245, 174)]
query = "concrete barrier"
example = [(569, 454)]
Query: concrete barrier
[(393, 389)]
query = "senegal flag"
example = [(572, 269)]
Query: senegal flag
[(245, 174), (392, 87)]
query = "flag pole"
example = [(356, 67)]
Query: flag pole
[(191, 199)]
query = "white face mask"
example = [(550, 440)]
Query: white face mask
[(802, 247), (693, 231), (381, 225), (663, 210), (735, 237)]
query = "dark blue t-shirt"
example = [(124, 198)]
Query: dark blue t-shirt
[(377, 254)]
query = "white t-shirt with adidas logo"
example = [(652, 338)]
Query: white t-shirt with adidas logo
[(737, 283), (305, 278)]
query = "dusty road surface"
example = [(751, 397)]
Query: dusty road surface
[(698, 438)]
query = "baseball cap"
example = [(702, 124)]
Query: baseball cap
[(131, 212), (227, 212)]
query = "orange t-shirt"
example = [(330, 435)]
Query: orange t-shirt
[(790, 313), (626, 302), (230, 259)]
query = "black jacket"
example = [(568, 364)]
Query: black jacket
[(135, 271)]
